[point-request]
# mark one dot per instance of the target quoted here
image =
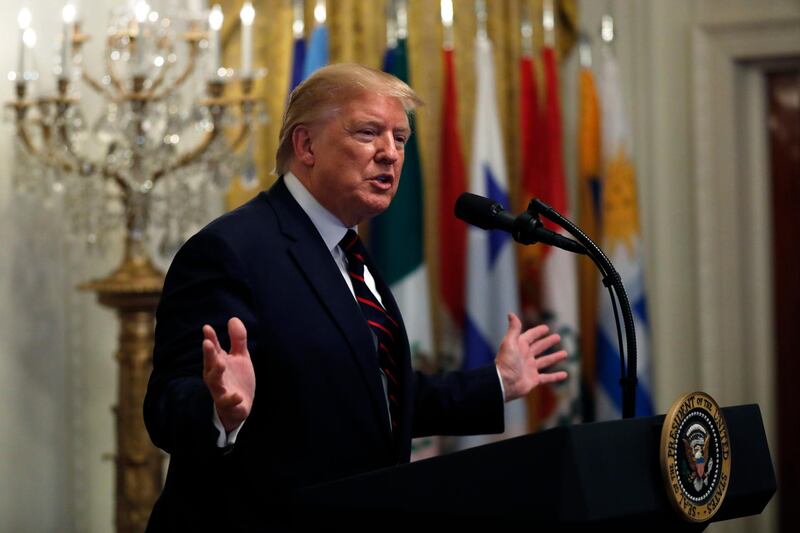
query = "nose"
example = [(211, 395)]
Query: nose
[(387, 149)]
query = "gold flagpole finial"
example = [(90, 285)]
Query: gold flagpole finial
[(607, 29), (549, 23), (481, 15), (446, 11)]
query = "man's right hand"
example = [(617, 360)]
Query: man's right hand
[(229, 376)]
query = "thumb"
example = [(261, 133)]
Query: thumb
[(514, 325), (238, 334)]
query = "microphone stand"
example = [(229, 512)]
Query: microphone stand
[(613, 282)]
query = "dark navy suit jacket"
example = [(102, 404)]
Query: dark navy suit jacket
[(319, 411)]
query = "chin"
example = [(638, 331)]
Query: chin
[(377, 204), (383, 207)]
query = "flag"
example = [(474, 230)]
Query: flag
[(532, 179), (452, 232), (317, 51), (298, 62), (557, 403), (588, 221), (492, 289), (623, 245), (389, 59), (398, 248)]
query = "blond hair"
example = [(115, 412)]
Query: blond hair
[(330, 87)]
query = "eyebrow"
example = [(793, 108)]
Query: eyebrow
[(357, 123), (403, 130)]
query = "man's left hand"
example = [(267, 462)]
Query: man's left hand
[(520, 360)]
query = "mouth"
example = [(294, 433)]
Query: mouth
[(383, 181)]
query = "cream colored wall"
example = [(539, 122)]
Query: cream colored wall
[(36, 470)]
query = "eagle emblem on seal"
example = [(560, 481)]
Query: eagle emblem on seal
[(695, 446)]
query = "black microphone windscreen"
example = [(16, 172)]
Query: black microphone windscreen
[(477, 210)]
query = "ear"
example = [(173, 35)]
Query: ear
[(301, 142)]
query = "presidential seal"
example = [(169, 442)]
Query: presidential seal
[(695, 456)]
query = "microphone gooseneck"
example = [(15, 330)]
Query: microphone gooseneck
[(526, 228), (613, 281)]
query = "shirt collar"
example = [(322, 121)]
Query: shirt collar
[(330, 228)]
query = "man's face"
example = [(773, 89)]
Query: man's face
[(357, 156)]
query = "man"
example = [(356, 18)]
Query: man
[(317, 383)]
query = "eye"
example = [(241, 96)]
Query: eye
[(366, 133), (400, 140)]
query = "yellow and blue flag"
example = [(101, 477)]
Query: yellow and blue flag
[(622, 243)]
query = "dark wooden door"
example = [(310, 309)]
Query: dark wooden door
[(783, 87)]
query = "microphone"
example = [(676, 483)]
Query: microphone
[(526, 228)]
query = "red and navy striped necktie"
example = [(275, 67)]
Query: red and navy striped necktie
[(383, 325)]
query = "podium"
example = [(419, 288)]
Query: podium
[(576, 478)]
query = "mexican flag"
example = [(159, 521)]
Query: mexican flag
[(397, 246)]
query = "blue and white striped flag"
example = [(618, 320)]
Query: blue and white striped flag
[(492, 289), (623, 245)]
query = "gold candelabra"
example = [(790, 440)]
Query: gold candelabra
[(148, 158)]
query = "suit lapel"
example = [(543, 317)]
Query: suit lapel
[(319, 268)]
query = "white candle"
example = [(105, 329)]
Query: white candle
[(68, 16), (141, 10), (215, 19), (29, 39), (24, 21), (247, 15)]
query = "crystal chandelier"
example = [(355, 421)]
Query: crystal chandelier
[(167, 135)]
